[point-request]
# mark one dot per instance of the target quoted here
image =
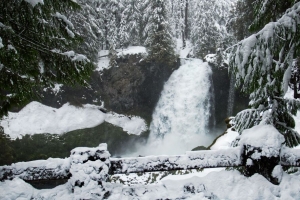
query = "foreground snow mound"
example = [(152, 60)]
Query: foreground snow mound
[(216, 185), (265, 137), (37, 118)]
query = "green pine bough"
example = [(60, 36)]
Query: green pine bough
[(36, 50)]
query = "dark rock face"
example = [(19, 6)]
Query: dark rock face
[(221, 85), (133, 87)]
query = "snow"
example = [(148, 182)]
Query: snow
[(217, 184), (55, 89), (265, 137), (87, 173), (76, 57), (1, 45), (37, 118), (132, 50), (132, 125), (183, 52), (64, 19), (52, 167), (277, 172), (103, 62), (225, 141), (190, 160), (34, 2)]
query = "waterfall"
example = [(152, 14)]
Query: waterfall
[(181, 117), (231, 95)]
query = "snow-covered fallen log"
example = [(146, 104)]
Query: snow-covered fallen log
[(52, 168), (290, 157), (191, 160)]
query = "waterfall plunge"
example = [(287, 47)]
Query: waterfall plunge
[(181, 117)]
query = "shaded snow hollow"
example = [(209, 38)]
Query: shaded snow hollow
[(37, 118)]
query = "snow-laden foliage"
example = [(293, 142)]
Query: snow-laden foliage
[(159, 42), (208, 25), (262, 65), (37, 50), (269, 10), (88, 24)]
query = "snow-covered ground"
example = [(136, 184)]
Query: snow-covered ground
[(183, 52), (103, 62), (209, 184), (38, 118)]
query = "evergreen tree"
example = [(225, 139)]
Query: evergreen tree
[(159, 42), (262, 64), (179, 19), (135, 21), (269, 11), (36, 42), (208, 27), (6, 150), (88, 23), (112, 40), (243, 16)]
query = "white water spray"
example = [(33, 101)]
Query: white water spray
[(182, 114)]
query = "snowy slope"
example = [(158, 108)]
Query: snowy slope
[(38, 118)]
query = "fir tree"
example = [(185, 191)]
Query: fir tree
[(262, 64), (135, 21), (159, 42), (208, 26), (88, 23), (36, 42), (242, 18)]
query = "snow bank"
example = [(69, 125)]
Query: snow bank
[(131, 125), (103, 62), (265, 137), (132, 50), (183, 52), (215, 185), (37, 118), (225, 141)]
